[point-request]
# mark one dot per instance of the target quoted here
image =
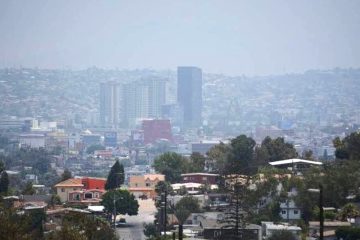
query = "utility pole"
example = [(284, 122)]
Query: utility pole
[(164, 205), (165, 212), (321, 212)]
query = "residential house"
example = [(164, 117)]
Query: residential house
[(210, 226), (269, 228), (203, 178), (81, 190), (145, 185)]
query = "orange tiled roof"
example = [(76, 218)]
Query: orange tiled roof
[(153, 177), (72, 182)]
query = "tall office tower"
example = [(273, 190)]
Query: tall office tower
[(135, 104), (143, 99), (109, 104), (189, 94), (157, 89)]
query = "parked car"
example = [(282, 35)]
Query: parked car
[(121, 222)]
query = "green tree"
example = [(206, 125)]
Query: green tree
[(66, 175), (4, 183), (240, 157), (217, 158), (172, 165), (348, 233), (115, 177), (149, 230), (190, 203), (282, 235), (183, 209), (54, 200), (350, 210), (14, 226), (125, 202), (274, 150), (28, 190), (349, 147), (77, 226), (197, 162)]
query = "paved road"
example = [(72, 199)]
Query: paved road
[(134, 228)]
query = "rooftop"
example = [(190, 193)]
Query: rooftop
[(294, 160), (72, 182), (200, 174)]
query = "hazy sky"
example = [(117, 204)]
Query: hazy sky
[(231, 37)]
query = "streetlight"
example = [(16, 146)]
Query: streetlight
[(321, 203)]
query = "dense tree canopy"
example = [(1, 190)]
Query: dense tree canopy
[(189, 203), (349, 147), (217, 158), (125, 202), (172, 165), (240, 157), (77, 226), (274, 150), (197, 162)]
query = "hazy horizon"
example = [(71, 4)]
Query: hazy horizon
[(236, 38)]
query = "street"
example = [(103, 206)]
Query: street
[(134, 227)]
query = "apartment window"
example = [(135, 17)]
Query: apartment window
[(283, 212)]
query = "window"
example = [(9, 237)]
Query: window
[(63, 190), (88, 195), (148, 184), (283, 212), (296, 212), (76, 197)]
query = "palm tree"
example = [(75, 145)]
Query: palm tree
[(181, 214), (349, 210)]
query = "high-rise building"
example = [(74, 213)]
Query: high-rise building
[(109, 104), (135, 104), (143, 99), (189, 94)]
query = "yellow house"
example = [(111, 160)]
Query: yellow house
[(145, 185), (65, 187)]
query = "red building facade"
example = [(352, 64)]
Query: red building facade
[(156, 129)]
